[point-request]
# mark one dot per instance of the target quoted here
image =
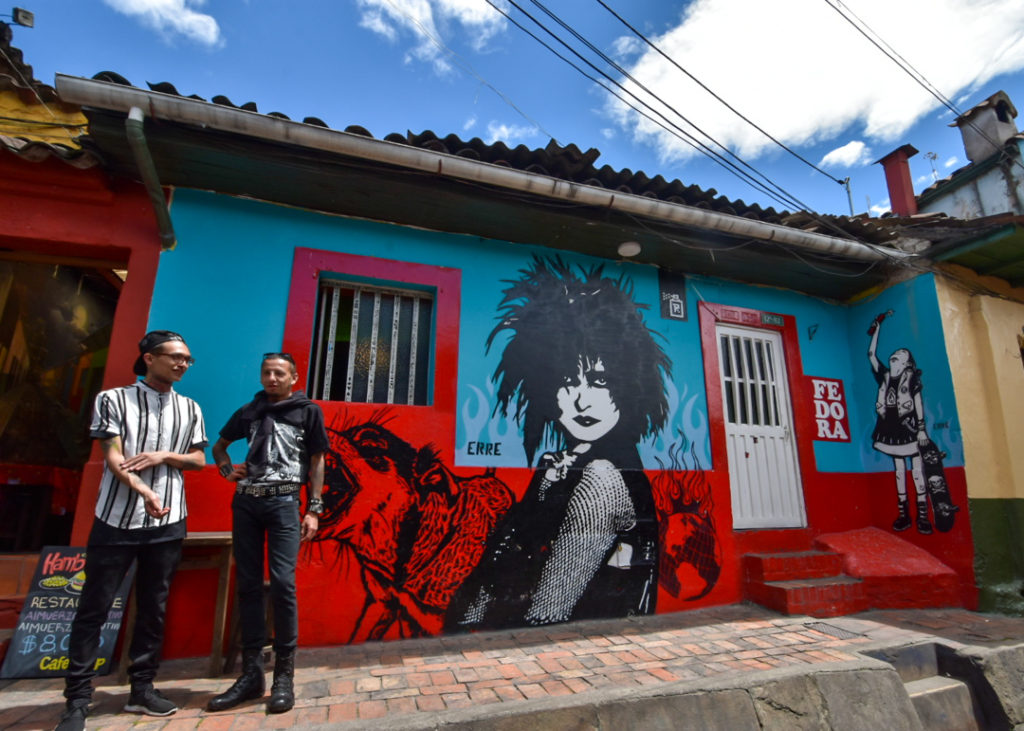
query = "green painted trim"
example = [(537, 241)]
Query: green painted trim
[(998, 529)]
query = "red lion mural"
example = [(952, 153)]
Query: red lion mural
[(403, 527)]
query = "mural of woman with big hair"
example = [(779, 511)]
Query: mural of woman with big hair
[(584, 378), (900, 426)]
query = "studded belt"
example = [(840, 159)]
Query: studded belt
[(267, 490)]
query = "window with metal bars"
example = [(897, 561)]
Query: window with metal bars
[(372, 344), (750, 382)]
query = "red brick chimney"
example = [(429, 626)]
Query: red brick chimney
[(897, 179)]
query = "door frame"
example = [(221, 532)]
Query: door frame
[(710, 315), (785, 455)]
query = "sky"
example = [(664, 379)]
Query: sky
[(791, 96)]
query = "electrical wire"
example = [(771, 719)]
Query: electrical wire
[(22, 120), (465, 66), (790, 199), (30, 86), (677, 132), (878, 42), (726, 104)]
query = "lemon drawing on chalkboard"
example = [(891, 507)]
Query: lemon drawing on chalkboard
[(54, 582), (76, 583)]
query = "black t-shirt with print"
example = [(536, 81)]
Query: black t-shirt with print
[(281, 438)]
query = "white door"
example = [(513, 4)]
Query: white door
[(763, 472)]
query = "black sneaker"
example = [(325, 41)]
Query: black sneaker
[(73, 719), (151, 702)]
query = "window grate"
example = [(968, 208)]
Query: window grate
[(750, 381), (372, 344)]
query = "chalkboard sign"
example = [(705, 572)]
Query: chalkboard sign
[(39, 647)]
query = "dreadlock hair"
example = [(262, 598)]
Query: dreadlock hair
[(559, 318)]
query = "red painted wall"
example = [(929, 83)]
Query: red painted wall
[(835, 502), (50, 209), (338, 603)]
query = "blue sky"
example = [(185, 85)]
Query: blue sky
[(795, 68)]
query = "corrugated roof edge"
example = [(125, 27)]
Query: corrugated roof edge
[(566, 162), (16, 76)]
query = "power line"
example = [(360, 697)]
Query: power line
[(28, 84), (792, 200), (677, 132), (878, 42), (779, 194), (465, 65), (726, 104)]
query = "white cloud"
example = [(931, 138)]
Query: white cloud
[(929, 178), (429, 21), (951, 162), (625, 46), (469, 124), (881, 207), (806, 75), (852, 153), (173, 18), (510, 134), (608, 133)]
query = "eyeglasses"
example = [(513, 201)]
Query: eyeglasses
[(279, 356), (178, 359)]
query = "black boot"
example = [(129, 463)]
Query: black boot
[(902, 521), (923, 526), (282, 692), (250, 685)]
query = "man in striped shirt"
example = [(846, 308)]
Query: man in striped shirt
[(149, 434)]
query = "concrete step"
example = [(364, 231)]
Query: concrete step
[(912, 662), (944, 704), (819, 597), (793, 565)]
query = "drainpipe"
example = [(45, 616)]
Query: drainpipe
[(147, 169)]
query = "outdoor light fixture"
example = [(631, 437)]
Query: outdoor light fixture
[(23, 17), (629, 248)]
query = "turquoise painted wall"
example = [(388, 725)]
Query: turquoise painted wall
[(225, 288)]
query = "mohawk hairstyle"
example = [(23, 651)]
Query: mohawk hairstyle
[(558, 317)]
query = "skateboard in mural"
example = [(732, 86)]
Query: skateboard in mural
[(943, 509)]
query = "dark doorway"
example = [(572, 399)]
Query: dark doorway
[(55, 324)]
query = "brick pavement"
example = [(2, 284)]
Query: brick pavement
[(385, 680)]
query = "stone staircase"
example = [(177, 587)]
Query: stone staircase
[(942, 702)]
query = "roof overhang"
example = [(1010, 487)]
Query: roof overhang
[(998, 251), (198, 144)]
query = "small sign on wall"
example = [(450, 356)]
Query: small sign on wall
[(672, 288), (39, 647), (831, 420)]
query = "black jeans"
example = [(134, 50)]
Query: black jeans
[(274, 522), (105, 567)]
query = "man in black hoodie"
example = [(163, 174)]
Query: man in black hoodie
[(287, 441)]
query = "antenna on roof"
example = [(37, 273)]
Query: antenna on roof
[(932, 157)]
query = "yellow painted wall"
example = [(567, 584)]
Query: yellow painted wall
[(988, 378), (53, 122)]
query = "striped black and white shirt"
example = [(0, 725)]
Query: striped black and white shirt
[(147, 420)]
